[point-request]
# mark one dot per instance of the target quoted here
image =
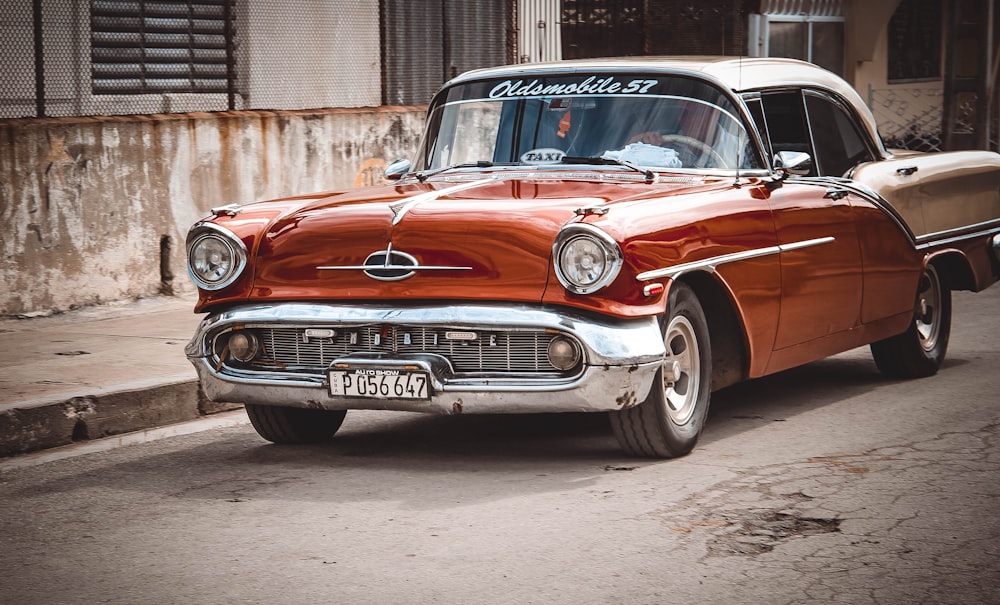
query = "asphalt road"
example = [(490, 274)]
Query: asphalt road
[(824, 484)]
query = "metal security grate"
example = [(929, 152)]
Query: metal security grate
[(601, 28), (64, 58), (427, 43), (141, 47), (908, 118), (497, 352)]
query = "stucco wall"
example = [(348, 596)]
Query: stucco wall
[(95, 210), (908, 113)]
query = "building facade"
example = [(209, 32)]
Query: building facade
[(123, 121)]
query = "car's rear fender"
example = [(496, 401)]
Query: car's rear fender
[(937, 192)]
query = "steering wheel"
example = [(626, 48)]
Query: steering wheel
[(697, 150)]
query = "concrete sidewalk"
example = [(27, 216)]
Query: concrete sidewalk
[(96, 372)]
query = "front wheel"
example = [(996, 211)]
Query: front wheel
[(286, 425), (919, 351), (667, 424)]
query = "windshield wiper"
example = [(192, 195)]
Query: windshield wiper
[(426, 174), (605, 161)]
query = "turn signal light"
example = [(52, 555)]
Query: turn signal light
[(243, 345), (564, 354)]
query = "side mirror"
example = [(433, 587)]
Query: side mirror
[(396, 170), (788, 163)]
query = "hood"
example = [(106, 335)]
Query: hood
[(485, 239)]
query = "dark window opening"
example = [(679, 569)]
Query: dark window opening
[(602, 28), (757, 113), (915, 20), (787, 128), (839, 146)]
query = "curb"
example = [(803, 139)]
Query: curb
[(31, 426)]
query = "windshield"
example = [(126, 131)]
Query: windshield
[(656, 121)]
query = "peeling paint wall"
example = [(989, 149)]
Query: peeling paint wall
[(86, 203)]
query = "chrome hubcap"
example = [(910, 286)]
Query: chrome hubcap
[(681, 370), (929, 310)]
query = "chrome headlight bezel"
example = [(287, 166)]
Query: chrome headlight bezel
[(605, 248), (232, 247)]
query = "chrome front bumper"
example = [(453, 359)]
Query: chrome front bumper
[(620, 359)]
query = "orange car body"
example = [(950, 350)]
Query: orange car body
[(789, 265)]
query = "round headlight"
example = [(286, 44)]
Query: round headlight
[(215, 258), (583, 261), (563, 353), (586, 259)]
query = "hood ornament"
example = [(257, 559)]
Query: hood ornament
[(401, 207), (391, 265), (397, 208)]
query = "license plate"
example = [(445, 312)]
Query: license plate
[(379, 384)]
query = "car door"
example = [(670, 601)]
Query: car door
[(821, 265), (891, 263)]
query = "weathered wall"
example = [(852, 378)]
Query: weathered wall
[(88, 206)]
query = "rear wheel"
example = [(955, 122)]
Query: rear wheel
[(919, 351), (286, 425), (667, 424)]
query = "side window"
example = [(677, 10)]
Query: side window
[(839, 146), (787, 129), (757, 114)]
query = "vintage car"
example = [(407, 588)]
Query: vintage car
[(621, 236)]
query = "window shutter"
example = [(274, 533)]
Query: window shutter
[(144, 47)]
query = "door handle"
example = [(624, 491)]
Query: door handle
[(906, 170)]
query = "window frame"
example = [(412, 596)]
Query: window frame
[(802, 94), (760, 34), (852, 121)]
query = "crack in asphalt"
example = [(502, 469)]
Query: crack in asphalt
[(895, 524)]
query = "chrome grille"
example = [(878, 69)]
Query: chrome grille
[(494, 352)]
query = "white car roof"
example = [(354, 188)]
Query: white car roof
[(738, 74)]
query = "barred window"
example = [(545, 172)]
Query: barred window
[(915, 20), (602, 28), (147, 47)]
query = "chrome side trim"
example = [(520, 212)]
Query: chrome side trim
[(942, 238), (866, 192), (715, 261)]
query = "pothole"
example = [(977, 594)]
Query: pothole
[(757, 532)]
